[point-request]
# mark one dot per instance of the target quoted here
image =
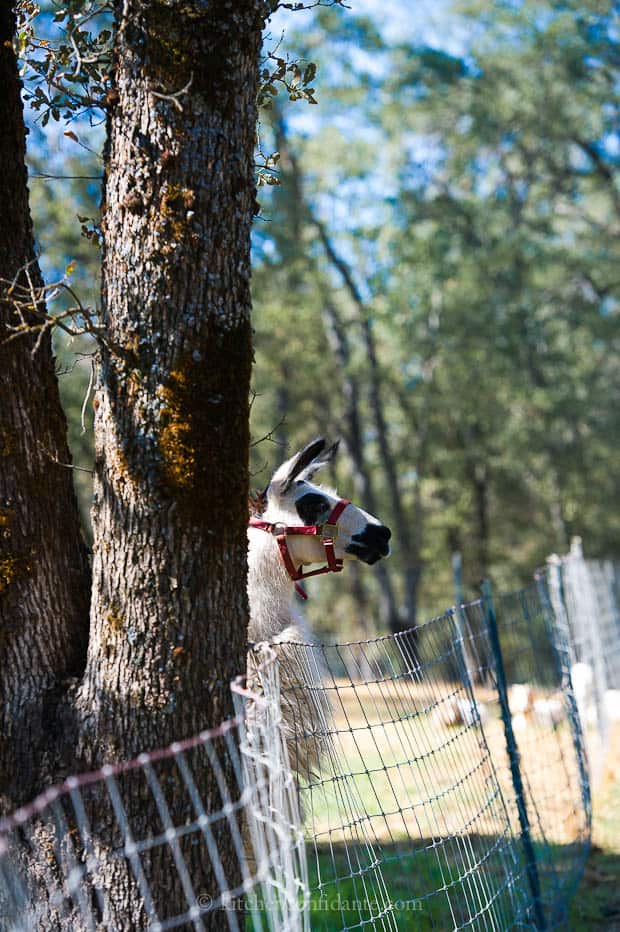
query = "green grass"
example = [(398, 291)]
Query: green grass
[(408, 881), (357, 900), (350, 890), (596, 904), (414, 883)]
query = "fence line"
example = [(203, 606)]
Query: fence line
[(60, 855), (514, 758), (588, 593), (442, 781)]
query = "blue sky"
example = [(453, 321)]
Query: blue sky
[(425, 22)]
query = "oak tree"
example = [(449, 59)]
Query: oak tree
[(168, 612)]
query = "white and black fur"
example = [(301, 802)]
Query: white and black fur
[(291, 498)]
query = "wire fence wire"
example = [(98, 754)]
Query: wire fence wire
[(586, 598), (433, 779), (451, 792), (71, 859)]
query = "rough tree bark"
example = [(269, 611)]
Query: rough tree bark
[(44, 576), (169, 609), (171, 424)]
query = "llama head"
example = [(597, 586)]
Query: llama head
[(293, 499)]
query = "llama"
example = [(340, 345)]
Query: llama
[(300, 524)]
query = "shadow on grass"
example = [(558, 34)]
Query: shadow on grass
[(471, 881), (426, 890), (596, 904)]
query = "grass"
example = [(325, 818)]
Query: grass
[(596, 904), (595, 907), (405, 830), (416, 779), (352, 902)]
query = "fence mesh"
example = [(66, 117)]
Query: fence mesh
[(439, 780), (235, 861), (586, 594), (547, 743), (404, 815), (413, 812)]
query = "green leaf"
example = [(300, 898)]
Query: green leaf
[(310, 73)]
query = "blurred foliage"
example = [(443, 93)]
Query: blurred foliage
[(63, 191), (471, 201), (476, 200)]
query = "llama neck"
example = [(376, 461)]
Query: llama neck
[(270, 590)]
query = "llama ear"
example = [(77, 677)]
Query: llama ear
[(300, 463), (319, 461)]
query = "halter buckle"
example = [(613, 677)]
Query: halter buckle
[(330, 531)]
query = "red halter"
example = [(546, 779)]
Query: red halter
[(328, 532)]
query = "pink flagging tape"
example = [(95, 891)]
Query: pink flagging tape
[(238, 687)]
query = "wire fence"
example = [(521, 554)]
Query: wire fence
[(71, 860), (586, 600), (454, 788), (434, 779)]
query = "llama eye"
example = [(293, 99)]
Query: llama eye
[(311, 507)]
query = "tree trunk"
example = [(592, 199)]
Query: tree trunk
[(556, 510), (298, 212), (478, 475), (407, 544), (352, 434), (44, 576), (283, 406), (169, 608)]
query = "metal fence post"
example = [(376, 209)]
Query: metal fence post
[(550, 586), (514, 759), (466, 658)]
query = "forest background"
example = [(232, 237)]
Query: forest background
[(436, 280)]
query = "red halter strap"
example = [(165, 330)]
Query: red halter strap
[(328, 532)]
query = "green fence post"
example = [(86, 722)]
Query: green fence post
[(457, 575), (514, 759)]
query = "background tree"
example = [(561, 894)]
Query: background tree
[(472, 196), (482, 239), (44, 581)]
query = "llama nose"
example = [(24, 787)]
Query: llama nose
[(371, 544), (377, 537)]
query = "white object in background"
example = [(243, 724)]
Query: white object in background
[(549, 711), (582, 678), (612, 704), (519, 698)]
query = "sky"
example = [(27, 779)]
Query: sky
[(425, 22), (398, 20)]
